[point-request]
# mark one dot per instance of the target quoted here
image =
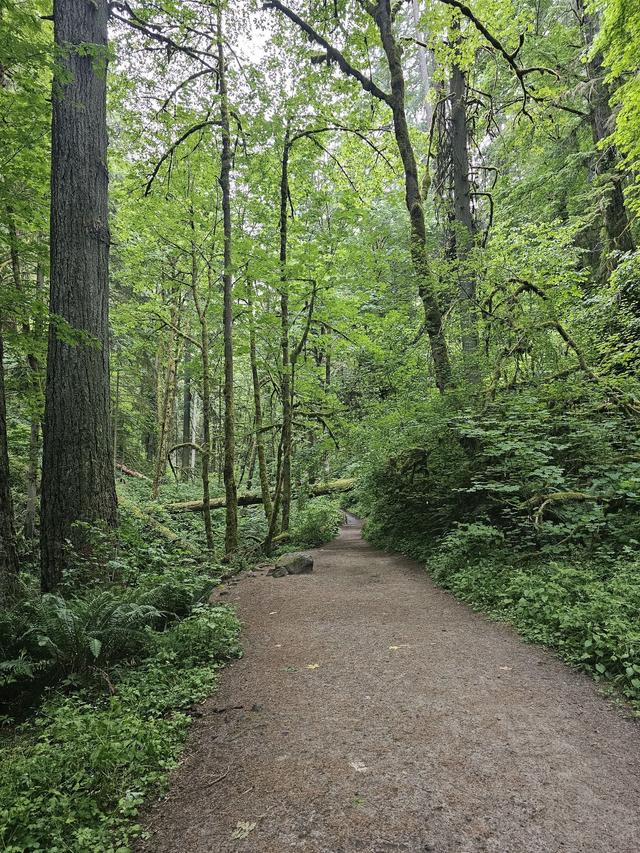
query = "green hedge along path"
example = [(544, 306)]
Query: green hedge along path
[(373, 712)]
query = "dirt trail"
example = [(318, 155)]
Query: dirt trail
[(373, 712)]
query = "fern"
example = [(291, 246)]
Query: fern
[(81, 633)]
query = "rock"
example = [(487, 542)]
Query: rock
[(278, 572), (216, 593), (295, 564)]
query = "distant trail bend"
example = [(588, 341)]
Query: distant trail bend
[(373, 712)]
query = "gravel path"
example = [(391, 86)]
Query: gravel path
[(372, 712)]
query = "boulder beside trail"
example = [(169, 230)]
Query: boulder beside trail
[(292, 564)]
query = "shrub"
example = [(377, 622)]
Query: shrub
[(210, 633), (316, 522)]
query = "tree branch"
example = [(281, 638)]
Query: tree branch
[(176, 144), (333, 55)]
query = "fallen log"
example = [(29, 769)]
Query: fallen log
[(161, 529), (129, 472), (317, 490)]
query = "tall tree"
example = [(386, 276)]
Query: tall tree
[(463, 218), (614, 212), (257, 403), (8, 552), (384, 17), (231, 491), (77, 478)]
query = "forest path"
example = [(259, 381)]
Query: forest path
[(373, 712)]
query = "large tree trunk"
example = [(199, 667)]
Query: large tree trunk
[(464, 234), (614, 213), (231, 493), (8, 552), (78, 480), (413, 199)]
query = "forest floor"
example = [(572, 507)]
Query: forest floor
[(373, 712)]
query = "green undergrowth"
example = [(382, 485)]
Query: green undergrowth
[(97, 681), (75, 775), (587, 610), (315, 521)]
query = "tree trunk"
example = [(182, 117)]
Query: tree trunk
[(201, 311), (251, 465), (257, 402), (287, 410), (465, 230), (32, 481), (231, 494), (116, 405), (206, 431), (187, 403), (332, 487), (78, 480), (8, 553), (614, 212), (167, 402), (413, 199)]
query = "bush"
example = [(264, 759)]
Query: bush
[(62, 637), (316, 522), (553, 469), (210, 633)]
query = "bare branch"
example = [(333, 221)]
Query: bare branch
[(333, 55), (196, 127)]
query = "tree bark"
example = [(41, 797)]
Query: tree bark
[(413, 198), (465, 229), (257, 402), (78, 480), (612, 205), (231, 493), (8, 552)]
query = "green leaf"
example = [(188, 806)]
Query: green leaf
[(96, 647)]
